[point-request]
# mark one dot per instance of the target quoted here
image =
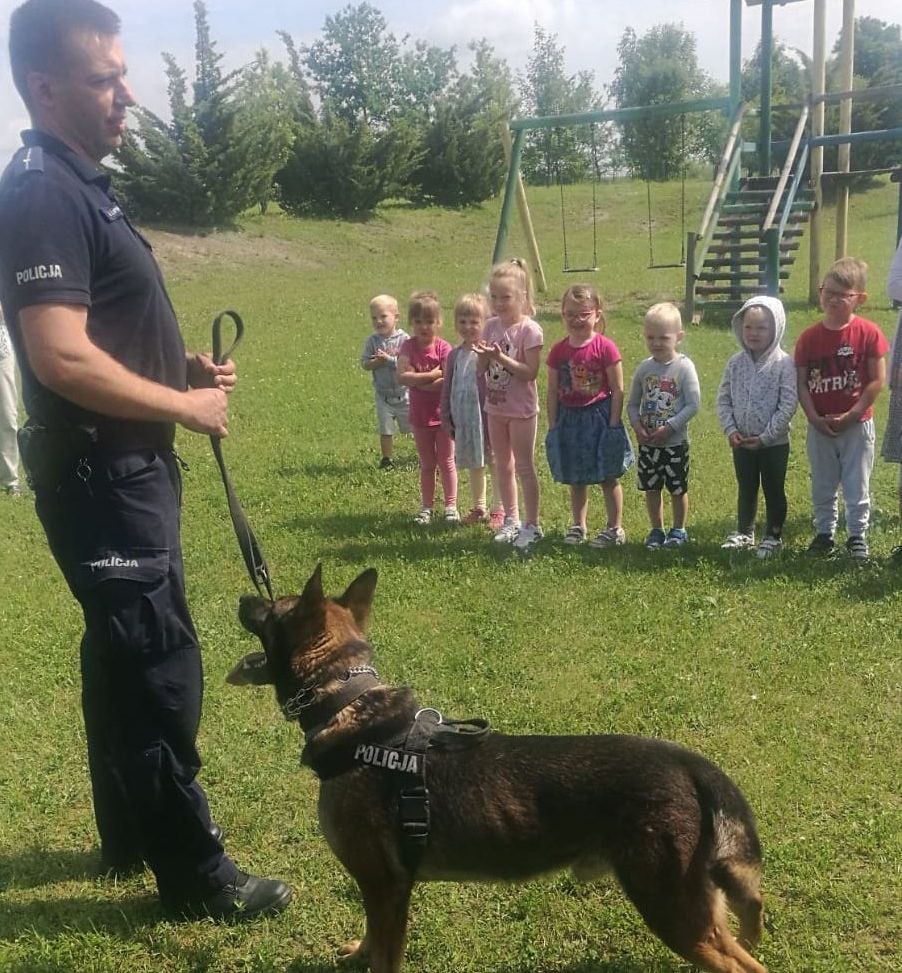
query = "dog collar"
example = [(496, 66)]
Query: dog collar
[(311, 708)]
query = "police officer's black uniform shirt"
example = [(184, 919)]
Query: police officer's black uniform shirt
[(65, 240)]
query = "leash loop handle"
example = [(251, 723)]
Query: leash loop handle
[(220, 356), (253, 557)]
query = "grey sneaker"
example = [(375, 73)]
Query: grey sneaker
[(738, 540), (575, 535), (609, 537), (509, 530), (527, 536), (451, 515), (857, 547), (770, 546), (423, 517)]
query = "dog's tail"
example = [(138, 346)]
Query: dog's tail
[(734, 865)]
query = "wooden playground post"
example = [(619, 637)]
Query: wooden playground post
[(818, 87), (525, 218), (846, 64)]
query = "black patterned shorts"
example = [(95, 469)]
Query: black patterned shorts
[(664, 467)]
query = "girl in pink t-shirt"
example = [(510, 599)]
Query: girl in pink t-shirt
[(509, 354), (420, 362), (586, 441)]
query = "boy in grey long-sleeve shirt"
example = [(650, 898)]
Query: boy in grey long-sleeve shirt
[(380, 357), (755, 403), (664, 396)]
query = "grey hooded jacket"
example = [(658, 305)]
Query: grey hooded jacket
[(758, 396)]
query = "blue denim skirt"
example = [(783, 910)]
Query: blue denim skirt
[(583, 448)]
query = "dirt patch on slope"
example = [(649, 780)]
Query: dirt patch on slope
[(184, 255)]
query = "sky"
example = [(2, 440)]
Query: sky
[(588, 30)]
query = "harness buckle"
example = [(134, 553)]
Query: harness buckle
[(413, 811)]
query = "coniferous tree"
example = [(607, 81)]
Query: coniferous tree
[(463, 159), (210, 162)]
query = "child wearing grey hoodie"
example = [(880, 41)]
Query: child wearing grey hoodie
[(755, 403)]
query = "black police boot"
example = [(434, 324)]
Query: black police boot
[(247, 897)]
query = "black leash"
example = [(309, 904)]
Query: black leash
[(250, 549)]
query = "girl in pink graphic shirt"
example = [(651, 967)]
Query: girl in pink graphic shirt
[(509, 354)]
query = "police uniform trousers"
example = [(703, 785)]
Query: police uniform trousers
[(113, 527)]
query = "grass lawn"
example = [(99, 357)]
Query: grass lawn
[(785, 673)]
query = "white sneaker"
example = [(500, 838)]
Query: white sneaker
[(423, 517), (769, 546), (509, 530), (737, 540), (527, 536), (609, 537), (451, 515)]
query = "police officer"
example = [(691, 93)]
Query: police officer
[(105, 381)]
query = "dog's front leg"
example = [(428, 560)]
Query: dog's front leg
[(386, 908)]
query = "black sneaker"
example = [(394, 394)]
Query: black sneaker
[(857, 547), (822, 544), (386, 463), (247, 897)]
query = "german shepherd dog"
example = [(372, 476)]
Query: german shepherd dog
[(674, 829)]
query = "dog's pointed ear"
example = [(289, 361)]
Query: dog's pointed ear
[(358, 599), (312, 596), (252, 670), (253, 612)]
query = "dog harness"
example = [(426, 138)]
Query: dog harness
[(402, 754)]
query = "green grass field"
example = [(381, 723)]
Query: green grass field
[(785, 672)]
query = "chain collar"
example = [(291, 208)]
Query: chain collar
[(306, 696)]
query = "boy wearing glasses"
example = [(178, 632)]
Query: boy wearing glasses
[(840, 370)]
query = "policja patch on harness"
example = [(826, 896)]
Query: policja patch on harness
[(372, 755)]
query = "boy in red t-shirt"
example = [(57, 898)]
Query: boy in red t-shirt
[(840, 368)]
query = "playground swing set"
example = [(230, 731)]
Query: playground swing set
[(651, 222), (567, 269)]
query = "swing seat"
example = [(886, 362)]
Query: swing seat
[(580, 270), (681, 263)]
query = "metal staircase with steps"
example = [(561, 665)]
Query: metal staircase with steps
[(735, 266)]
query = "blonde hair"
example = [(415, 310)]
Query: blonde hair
[(666, 314), (517, 270), (470, 304), (384, 300), (849, 272), (424, 303), (586, 294)]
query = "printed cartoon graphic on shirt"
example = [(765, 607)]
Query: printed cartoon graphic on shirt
[(580, 378), (839, 374), (659, 396), (497, 377)]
